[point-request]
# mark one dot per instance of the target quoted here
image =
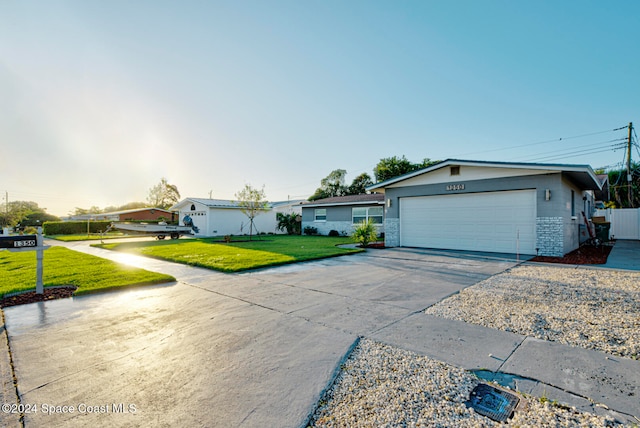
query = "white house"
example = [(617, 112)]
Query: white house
[(217, 217)]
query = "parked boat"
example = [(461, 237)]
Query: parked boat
[(160, 230)]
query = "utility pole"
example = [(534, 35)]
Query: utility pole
[(629, 177)]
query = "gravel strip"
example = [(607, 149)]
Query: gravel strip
[(383, 386), (590, 308)]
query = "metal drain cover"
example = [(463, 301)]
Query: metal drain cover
[(492, 402)]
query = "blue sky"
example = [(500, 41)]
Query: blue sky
[(101, 99)]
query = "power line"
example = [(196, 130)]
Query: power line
[(579, 153), (555, 140)]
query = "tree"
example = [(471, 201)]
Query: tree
[(394, 166), (619, 187), (163, 195), (127, 206), (330, 186), (25, 213), (251, 202), (359, 184), (83, 211)]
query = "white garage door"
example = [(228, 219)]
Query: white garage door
[(503, 222)]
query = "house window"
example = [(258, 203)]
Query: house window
[(455, 170), (361, 214), (320, 214)]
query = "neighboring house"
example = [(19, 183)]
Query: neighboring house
[(343, 213), (525, 208), (602, 195), (137, 214), (217, 217)]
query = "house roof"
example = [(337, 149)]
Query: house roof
[(582, 175), (225, 203), (135, 210), (364, 199)]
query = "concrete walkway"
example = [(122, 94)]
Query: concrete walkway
[(625, 255), (258, 349)]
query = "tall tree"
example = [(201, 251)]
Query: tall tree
[(359, 184), (25, 213), (163, 195), (251, 202), (394, 166), (330, 186)]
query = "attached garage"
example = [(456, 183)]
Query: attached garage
[(501, 207), (502, 222)]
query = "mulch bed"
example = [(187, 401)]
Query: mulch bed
[(585, 255), (32, 297)]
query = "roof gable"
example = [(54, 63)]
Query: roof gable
[(583, 175)]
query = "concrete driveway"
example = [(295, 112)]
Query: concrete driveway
[(253, 349)]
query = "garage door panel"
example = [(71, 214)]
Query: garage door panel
[(492, 221)]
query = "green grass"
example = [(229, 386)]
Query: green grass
[(269, 250), (66, 267)]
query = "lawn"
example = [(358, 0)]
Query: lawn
[(66, 267), (263, 251)]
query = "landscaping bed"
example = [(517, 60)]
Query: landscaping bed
[(33, 297), (585, 255)]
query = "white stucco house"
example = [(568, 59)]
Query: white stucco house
[(219, 217)]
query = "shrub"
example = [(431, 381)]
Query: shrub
[(365, 233), (73, 227), (334, 233), (291, 223), (310, 230)]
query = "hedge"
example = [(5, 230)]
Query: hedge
[(73, 227)]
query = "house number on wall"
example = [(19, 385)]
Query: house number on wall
[(451, 187)]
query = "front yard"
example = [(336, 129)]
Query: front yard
[(262, 251), (64, 267)]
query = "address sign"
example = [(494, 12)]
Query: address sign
[(23, 241), (452, 187)]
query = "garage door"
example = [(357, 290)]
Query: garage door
[(502, 222)]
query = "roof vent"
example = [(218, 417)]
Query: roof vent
[(455, 170)]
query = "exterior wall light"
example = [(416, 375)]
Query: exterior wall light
[(547, 195), (388, 203)]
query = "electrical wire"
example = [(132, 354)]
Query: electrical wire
[(578, 153), (555, 140)]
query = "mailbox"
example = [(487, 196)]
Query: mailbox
[(20, 241)]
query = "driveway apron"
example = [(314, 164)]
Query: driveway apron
[(253, 349)]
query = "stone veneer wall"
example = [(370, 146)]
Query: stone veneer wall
[(392, 232), (550, 236)]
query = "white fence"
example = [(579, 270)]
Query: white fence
[(625, 222)]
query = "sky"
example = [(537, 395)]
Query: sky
[(99, 100)]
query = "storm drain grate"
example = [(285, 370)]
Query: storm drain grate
[(492, 402)]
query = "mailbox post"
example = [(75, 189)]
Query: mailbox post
[(28, 243)]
